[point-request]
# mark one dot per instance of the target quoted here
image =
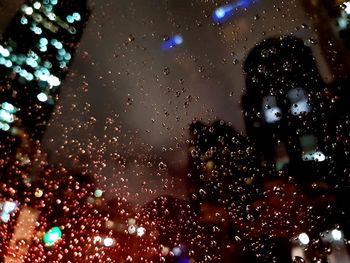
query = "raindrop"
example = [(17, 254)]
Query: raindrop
[(131, 38), (162, 166), (166, 71), (328, 250), (298, 259), (202, 192), (194, 153), (201, 69)]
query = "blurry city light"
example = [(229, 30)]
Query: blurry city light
[(37, 5), (42, 97), (223, 13), (317, 156), (342, 22), (131, 221), (347, 7), (76, 16), (27, 10), (299, 100), (140, 231), (108, 242), (165, 251), (337, 234), (6, 116), (97, 239), (304, 238), (272, 112), (132, 229), (98, 193), (172, 42), (177, 251), (24, 21), (273, 115), (53, 80), (8, 107), (7, 209), (38, 193), (52, 236), (4, 126), (70, 19), (300, 107)]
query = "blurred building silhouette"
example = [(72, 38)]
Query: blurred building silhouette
[(299, 124), (223, 180), (284, 109), (35, 53)]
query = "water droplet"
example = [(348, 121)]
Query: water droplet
[(162, 166), (202, 192), (166, 71), (298, 259)]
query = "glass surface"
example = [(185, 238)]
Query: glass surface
[(174, 131)]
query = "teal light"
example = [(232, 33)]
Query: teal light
[(47, 64), (17, 69), (30, 61), (67, 56), (6, 116), (76, 16), (53, 41), (29, 77), (8, 107), (24, 21), (52, 236), (44, 41), (58, 45), (48, 8), (43, 48), (72, 30), (8, 63), (4, 126), (63, 64), (70, 19), (37, 30), (62, 52)]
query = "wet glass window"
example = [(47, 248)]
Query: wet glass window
[(175, 131)]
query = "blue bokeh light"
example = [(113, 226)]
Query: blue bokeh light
[(223, 13), (172, 42)]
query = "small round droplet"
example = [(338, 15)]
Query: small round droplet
[(298, 259)]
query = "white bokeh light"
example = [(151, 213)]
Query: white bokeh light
[(304, 238), (336, 234), (108, 242), (140, 231)]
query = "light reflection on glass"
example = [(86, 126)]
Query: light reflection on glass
[(223, 13)]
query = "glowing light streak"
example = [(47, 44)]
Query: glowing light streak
[(223, 13), (172, 42)]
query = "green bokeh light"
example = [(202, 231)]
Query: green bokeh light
[(52, 236)]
